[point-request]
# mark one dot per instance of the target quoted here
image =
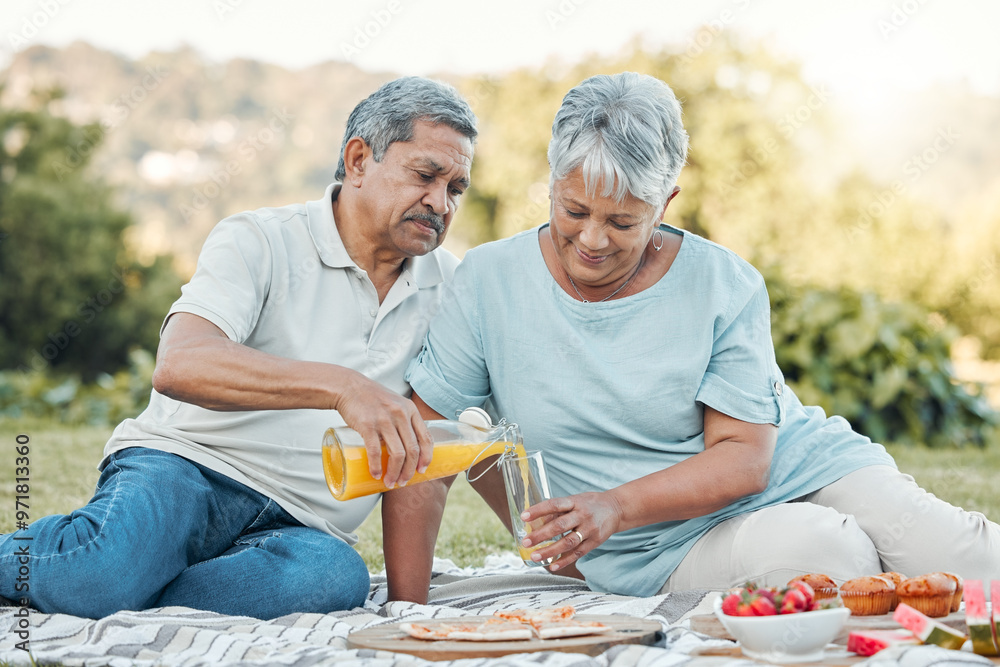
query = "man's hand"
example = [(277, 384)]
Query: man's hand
[(382, 417)]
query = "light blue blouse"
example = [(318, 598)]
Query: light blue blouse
[(614, 391)]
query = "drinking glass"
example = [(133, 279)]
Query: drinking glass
[(526, 483)]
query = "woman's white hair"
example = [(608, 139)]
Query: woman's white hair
[(625, 131)]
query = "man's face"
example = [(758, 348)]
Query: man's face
[(412, 194)]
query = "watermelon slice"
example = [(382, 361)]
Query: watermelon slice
[(995, 601), (870, 642), (978, 619), (927, 629)]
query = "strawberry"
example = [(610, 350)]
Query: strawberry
[(730, 603), (807, 591), (769, 593), (793, 601), (762, 605), (744, 607)]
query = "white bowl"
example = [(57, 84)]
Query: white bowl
[(797, 637)]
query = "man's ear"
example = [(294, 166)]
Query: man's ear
[(356, 154)]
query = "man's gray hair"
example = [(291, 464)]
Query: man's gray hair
[(388, 114), (625, 132)]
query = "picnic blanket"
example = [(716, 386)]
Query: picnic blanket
[(178, 636)]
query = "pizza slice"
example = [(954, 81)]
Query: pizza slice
[(433, 632), (554, 622), (510, 625), (533, 616), (569, 628), (486, 630), (491, 631)]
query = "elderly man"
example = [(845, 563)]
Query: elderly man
[(297, 319)]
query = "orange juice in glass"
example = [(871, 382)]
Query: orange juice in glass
[(527, 484)]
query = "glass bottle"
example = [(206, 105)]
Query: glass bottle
[(458, 445)]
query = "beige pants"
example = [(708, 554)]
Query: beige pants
[(873, 520)]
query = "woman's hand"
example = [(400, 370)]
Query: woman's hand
[(587, 519)]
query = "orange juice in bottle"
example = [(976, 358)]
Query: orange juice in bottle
[(457, 446)]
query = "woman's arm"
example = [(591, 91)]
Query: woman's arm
[(735, 464)]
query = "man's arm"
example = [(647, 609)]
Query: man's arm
[(411, 518), (197, 363)]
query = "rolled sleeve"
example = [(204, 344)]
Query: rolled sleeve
[(450, 372), (743, 379)]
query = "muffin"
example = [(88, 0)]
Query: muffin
[(868, 596), (956, 599), (896, 579), (928, 593), (823, 586)]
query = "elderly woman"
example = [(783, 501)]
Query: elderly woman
[(638, 358)]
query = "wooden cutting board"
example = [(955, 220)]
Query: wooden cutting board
[(710, 625), (624, 630)]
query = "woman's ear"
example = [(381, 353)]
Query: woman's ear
[(669, 199), (356, 154)]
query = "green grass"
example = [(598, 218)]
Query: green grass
[(62, 467), (63, 460), (469, 531)]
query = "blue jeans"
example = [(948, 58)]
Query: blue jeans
[(162, 530)]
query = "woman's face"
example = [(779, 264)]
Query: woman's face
[(598, 240)]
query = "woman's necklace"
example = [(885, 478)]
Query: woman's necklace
[(625, 284)]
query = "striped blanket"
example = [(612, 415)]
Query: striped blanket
[(176, 636)]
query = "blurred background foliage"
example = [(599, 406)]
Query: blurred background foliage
[(72, 299), (122, 180)]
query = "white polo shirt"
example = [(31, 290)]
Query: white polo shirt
[(280, 280)]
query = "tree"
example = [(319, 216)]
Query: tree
[(71, 295)]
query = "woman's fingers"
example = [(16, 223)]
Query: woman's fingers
[(576, 525)]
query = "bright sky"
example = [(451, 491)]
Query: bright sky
[(863, 49)]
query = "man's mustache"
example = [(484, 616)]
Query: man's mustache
[(434, 221)]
